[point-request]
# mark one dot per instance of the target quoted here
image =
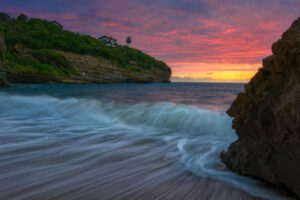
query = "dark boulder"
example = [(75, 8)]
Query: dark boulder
[(267, 118)]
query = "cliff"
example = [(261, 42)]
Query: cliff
[(2, 47), (39, 51), (3, 70), (267, 118), (90, 69), (99, 70)]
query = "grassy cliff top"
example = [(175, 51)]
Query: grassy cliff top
[(43, 37)]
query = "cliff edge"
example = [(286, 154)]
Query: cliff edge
[(39, 51), (267, 118)]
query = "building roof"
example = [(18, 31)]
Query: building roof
[(108, 37), (57, 23)]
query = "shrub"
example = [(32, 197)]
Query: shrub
[(22, 17), (52, 58), (4, 17), (28, 64)]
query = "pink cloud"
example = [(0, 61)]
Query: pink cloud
[(222, 34)]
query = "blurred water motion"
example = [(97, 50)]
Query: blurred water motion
[(128, 141)]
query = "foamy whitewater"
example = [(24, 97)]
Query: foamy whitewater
[(122, 141)]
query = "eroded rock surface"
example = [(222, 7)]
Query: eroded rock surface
[(92, 69), (99, 70), (267, 118), (2, 47), (3, 70)]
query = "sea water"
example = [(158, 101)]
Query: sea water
[(120, 141)]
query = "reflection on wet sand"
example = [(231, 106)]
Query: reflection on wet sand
[(131, 171)]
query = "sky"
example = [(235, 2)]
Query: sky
[(201, 40)]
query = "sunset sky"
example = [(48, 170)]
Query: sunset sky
[(201, 40)]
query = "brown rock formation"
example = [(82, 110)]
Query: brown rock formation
[(19, 49), (267, 118), (3, 70), (97, 70), (91, 70), (2, 47)]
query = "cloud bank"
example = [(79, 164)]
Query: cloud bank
[(192, 36)]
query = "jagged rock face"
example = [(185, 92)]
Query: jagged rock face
[(267, 118), (98, 70), (3, 69), (2, 47), (92, 70)]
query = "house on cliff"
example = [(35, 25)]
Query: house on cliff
[(109, 41)]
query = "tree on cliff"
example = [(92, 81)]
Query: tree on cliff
[(4, 17), (22, 17), (128, 40)]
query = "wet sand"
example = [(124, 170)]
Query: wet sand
[(132, 171)]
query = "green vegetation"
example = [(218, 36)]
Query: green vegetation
[(4, 17), (30, 65), (42, 37), (54, 59), (22, 17)]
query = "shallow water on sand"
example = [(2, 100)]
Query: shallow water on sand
[(121, 141)]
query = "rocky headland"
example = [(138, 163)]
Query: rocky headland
[(39, 51), (267, 118)]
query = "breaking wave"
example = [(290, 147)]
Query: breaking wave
[(188, 136)]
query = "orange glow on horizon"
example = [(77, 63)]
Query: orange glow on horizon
[(207, 41), (204, 72), (216, 76)]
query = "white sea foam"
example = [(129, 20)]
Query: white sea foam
[(199, 135)]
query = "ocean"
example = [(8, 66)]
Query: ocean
[(120, 141)]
